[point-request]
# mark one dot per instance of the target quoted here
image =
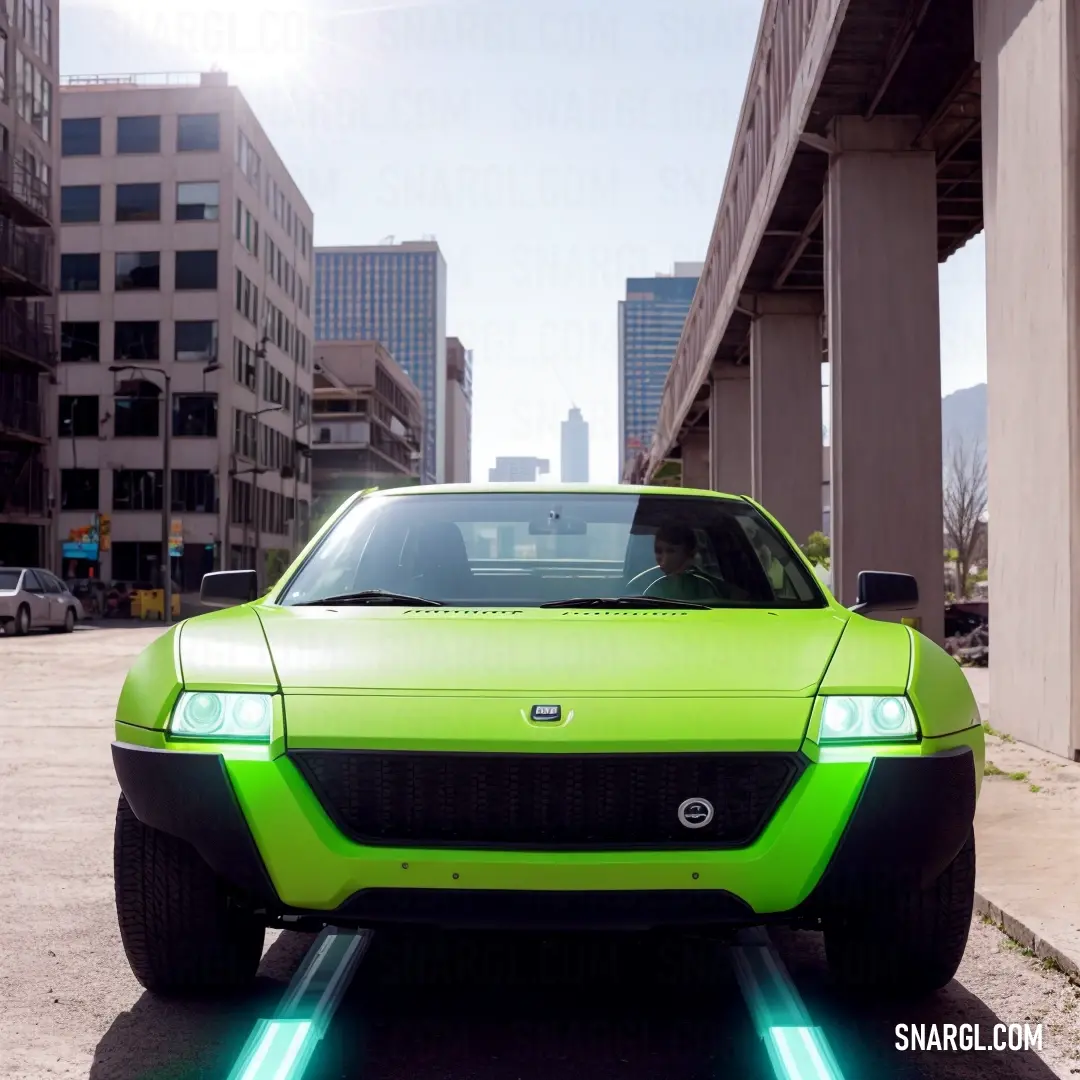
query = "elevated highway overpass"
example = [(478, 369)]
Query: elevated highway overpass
[(876, 138)]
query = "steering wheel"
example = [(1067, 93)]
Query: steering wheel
[(632, 584)]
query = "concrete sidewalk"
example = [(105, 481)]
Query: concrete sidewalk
[(1027, 832)]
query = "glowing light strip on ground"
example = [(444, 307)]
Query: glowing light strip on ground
[(277, 1050), (797, 1049), (801, 1053), (282, 1048)]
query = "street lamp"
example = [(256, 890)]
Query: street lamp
[(226, 542), (166, 481)]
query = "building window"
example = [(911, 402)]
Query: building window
[(199, 131), (193, 491), (196, 270), (139, 341), (33, 96), (137, 562), (137, 411), (33, 19), (138, 135), (247, 228), (195, 415), (80, 205), (138, 202), (244, 370), (248, 161), (80, 138), (240, 502), (80, 489), (77, 416), (247, 298), (80, 342), (80, 273), (198, 201), (245, 434), (138, 270), (196, 341), (136, 489)]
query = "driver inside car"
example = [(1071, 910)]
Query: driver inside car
[(675, 547)]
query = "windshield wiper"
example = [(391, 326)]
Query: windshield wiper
[(623, 602), (371, 596)]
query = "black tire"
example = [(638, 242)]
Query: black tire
[(184, 935), (909, 945), (69, 621), (22, 621)]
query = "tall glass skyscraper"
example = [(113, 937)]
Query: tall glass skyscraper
[(651, 322), (394, 294)]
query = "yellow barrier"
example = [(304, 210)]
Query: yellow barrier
[(150, 603)]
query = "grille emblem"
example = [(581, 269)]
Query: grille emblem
[(546, 713), (696, 813)]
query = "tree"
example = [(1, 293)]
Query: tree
[(964, 506), (816, 549)]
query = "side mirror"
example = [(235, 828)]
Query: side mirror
[(226, 588), (880, 590)]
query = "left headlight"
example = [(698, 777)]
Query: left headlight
[(867, 719), (201, 714)]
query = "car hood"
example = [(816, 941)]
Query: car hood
[(504, 650)]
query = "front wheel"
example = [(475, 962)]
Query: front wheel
[(182, 931), (22, 621), (911, 943)]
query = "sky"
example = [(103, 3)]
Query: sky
[(554, 148)]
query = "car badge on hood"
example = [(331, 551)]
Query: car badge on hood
[(546, 713)]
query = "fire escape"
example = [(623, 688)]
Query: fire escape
[(27, 341)]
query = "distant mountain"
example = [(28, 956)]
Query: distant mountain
[(963, 416)]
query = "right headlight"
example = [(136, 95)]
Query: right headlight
[(867, 719), (203, 714)]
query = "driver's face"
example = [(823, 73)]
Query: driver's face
[(671, 558)]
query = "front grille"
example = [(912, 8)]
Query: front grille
[(547, 801)]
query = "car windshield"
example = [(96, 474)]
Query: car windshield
[(9, 578), (524, 549)]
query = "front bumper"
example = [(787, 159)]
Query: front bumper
[(853, 824)]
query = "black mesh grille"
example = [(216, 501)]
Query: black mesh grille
[(554, 801)]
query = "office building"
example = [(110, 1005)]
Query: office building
[(28, 240), (574, 463), (367, 423), (186, 270), (516, 470), (394, 294), (458, 412), (651, 320)]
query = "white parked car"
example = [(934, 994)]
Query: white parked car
[(31, 597)]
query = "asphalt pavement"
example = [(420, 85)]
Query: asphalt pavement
[(430, 1007)]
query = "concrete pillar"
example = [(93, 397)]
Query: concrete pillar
[(785, 428), (729, 430), (884, 347), (695, 459), (1030, 54)]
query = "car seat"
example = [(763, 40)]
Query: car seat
[(440, 560)]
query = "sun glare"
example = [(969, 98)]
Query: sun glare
[(255, 41)]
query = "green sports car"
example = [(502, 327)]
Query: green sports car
[(549, 707)]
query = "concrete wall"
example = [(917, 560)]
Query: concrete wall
[(1031, 138)]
